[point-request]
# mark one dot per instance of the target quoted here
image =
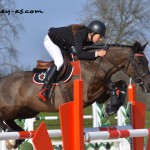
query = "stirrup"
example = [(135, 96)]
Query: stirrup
[(41, 96)]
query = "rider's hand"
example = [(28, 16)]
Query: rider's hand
[(100, 53)]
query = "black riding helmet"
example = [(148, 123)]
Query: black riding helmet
[(97, 27)]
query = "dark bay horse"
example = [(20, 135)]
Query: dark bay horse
[(18, 93)]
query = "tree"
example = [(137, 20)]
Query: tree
[(126, 20), (9, 31)]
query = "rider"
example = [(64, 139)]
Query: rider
[(60, 39)]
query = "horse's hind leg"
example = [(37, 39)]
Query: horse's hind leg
[(11, 123)]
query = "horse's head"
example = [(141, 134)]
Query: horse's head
[(138, 68)]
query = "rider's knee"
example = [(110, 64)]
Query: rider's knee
[(59, 63)]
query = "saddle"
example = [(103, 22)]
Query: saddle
[(42, 66)]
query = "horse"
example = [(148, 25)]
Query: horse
[(18, 92)]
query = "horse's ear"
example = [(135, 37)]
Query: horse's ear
[(143, 47), (136, 47)]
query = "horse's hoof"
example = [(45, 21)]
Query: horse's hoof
[(18, 142), (108, 114), (10, 144), (105, 115), (110, 110)]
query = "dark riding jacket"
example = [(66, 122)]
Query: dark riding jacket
[(63, 38)]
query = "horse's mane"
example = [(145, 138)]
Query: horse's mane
[(118, 45), (136, 45), (104, 46)]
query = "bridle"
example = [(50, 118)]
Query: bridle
[(139, 79)]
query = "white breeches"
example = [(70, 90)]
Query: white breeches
[(54, 51)]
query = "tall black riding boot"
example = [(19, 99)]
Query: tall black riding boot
[(50, 77)]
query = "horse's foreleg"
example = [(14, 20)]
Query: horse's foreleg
[(118, 93), (11, 123), (117, 97)]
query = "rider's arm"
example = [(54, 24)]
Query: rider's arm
[(81, 40)]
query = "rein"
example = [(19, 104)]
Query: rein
[(95, 73)]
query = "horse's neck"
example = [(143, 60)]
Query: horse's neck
[(115, 60), (101, 68)]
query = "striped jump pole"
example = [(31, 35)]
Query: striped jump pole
[(26, 134), (53, 133), (115, 134), (40, 137)]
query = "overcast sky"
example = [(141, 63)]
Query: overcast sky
[(56, 13)]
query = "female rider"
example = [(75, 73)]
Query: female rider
[(60, 39)]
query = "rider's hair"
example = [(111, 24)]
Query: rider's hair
[(76, 27)]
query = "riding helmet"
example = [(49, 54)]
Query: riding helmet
[(97, 27)]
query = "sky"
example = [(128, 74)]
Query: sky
[(56, 13)]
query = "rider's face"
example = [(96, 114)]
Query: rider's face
[(96, 38)]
